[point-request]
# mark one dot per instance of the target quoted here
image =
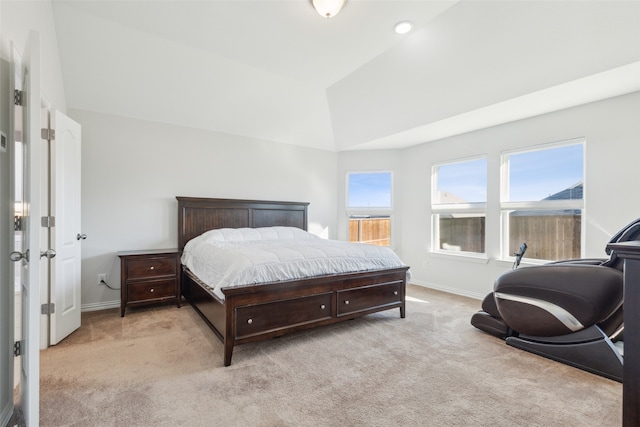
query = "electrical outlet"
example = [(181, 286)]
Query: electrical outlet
[(101, 277)]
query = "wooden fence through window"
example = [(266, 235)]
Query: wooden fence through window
[(548, 237), (375, 231)]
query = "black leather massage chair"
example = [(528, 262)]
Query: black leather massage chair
[(570, 311)]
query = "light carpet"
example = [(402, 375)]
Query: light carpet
[(162, 366)]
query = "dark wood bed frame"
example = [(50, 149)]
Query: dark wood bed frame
[(258, 312)]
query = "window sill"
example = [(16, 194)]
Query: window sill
[(466, 256), (483, 259)]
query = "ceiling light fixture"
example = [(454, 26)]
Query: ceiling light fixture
[(328, 8), (403, 27)]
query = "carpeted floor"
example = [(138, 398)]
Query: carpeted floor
[(162, 366)]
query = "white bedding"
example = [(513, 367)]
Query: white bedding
[(243, 256)]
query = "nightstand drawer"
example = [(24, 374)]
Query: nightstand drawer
[(144, 291), (145, 268)]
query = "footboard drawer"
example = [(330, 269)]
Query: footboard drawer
[(373, 297), (273, 316)]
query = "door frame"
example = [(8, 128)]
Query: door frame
[(8, 384), (30, 372)]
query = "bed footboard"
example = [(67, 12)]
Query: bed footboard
[(259, 312)]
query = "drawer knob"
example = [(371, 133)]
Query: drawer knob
[(322, 307), (151, 290), (152, 268), (346, 302), (250, 321), (395, 292)]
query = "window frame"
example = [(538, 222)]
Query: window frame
[(507, 207), (471, 208)]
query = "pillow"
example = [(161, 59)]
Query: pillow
[(249, 234)]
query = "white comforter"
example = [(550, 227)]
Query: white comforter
[(234, 257)]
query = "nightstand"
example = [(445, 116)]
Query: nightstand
[(148, 277)]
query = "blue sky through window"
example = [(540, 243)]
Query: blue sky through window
[(463, 182), (536, 175), (369, 190)]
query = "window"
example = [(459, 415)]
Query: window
[(542, 201), (458, 206), (369, 207)]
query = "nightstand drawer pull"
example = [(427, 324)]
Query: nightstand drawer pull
[(346, 302), (250, 321), (151, 290), (322, 307), (152, 268), (395, 292)]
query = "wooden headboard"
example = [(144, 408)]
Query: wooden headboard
[(197, 215)]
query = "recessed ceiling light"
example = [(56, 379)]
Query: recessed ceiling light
[(403, 27)]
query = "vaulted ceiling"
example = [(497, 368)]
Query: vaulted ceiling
[(277, 71)]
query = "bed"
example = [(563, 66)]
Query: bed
[(256, 312)]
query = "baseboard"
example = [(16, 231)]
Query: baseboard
[(447, 289), (100, 306)]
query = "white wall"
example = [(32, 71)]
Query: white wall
[(611, 128), (132, 170)]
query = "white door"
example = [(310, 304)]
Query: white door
[(27, 80), (66, 234)]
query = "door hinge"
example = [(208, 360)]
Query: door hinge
[(17, 348), (17, 223), (17, 97), (48, 134), (48, 221), (48, 308)]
